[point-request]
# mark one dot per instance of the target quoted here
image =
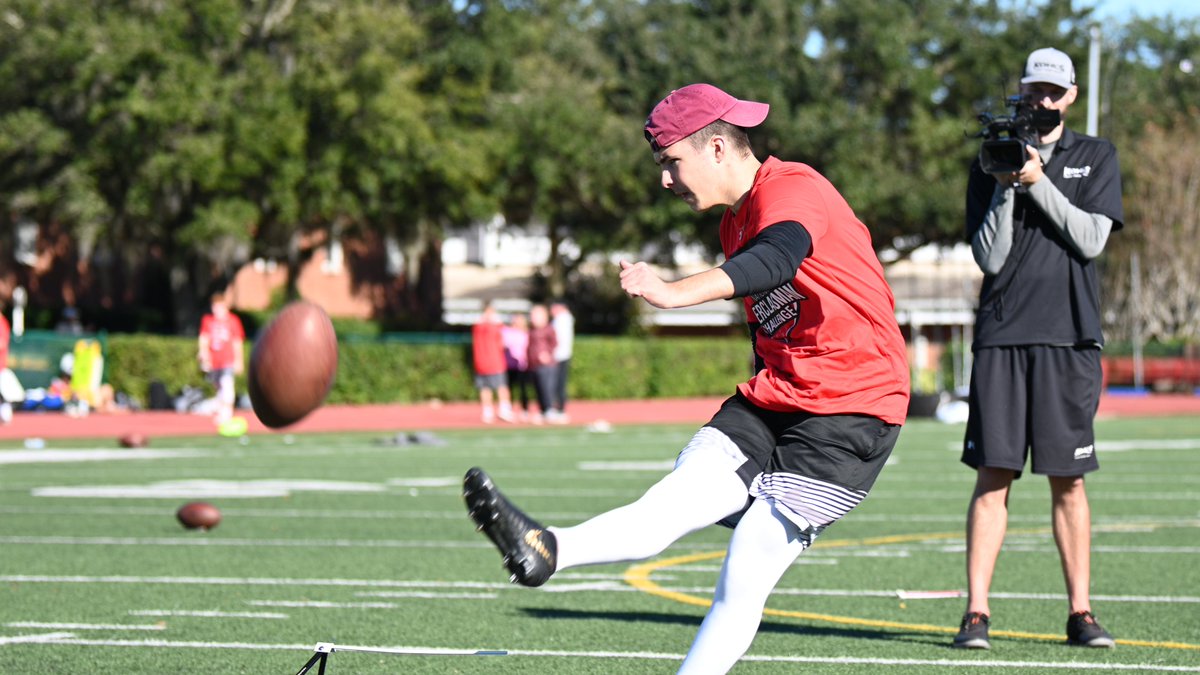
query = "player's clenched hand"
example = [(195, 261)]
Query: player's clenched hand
[(639, 281)]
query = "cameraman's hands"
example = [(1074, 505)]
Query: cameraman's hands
[(1028, 175)]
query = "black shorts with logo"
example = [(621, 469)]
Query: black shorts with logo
[(1034, 401), (818, 467)]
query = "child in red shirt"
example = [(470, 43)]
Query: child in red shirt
[(221, 353), (491, 368)]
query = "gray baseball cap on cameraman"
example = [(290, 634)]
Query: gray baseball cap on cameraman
[(1049, 65)]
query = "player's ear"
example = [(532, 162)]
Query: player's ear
[(719, 146)]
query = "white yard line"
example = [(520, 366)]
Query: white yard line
[(207, 614), (241, 581), (1073, 666), (33, 639), (203, 540), (574, 585), (83, 626), (426, 595), (90, 455), (322, 604), (1130, 445)]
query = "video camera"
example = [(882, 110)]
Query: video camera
[(1007, 137)]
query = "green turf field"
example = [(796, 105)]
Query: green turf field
[(352, 540)]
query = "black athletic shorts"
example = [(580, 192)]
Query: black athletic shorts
[(1034, 401), (815, 466)]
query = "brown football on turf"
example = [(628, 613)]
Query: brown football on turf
[(133, 439), (198, 516), (292, 365)]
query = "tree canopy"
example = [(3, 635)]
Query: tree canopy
[(202, 135)]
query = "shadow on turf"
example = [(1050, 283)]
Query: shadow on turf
[(766, 627)]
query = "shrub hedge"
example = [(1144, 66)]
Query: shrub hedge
[(391, 371)]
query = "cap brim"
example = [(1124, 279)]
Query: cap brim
[(747, 113), (1038, 79)]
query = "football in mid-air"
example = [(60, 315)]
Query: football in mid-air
[(292, 365), (198, 516)]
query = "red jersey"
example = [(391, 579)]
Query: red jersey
[(487, 347), (828, 338), (221, 334)]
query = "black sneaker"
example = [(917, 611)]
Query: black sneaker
[(530, 551), (1084, 631), (973, 634)]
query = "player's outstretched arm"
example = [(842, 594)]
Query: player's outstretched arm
[(640, 281)]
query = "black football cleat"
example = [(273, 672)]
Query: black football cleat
[(530, 551), (973, 634), (1084, 631)]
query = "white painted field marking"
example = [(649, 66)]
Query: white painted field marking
[(862, 553), (1018, 547), (849, 660), (1148, 444), (913, 594), (608, 586), (1129, 445), (657, 466), (320, 604), (1155, 478), (1167, 599), (1148, 496), (713, 569), (555, 586), (332, 514), (649, 656), (263, 489), (34, 639), (574, 492), (427, 595), (202, 540), (903, 594), (928, 595), (241, 581), (582, 576), (90, 455), (206, 489), (70, 639), (587, 583), (84, 626), (207, 614), (454, 482), (1033, 495)]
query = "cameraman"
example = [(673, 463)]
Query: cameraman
[(1036, 380)]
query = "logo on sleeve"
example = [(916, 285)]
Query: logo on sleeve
[(1077, 172), (777, 307)]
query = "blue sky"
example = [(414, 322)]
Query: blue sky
[(1123, 9)]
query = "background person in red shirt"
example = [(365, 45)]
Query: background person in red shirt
[(491, 368), (5, 333), (221, 353), (798, 445)]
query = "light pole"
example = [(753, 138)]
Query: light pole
[(1093, 113)]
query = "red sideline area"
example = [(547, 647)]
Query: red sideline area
[(336, 418), (432, 416)]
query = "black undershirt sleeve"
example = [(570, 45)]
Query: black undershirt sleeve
[(770, 259)]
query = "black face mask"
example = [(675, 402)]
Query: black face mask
[(1046, 121)]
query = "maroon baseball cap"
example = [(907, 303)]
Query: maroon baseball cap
[(688, 110)]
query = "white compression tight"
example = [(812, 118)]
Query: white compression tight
[(703, 488), (764, 544)]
